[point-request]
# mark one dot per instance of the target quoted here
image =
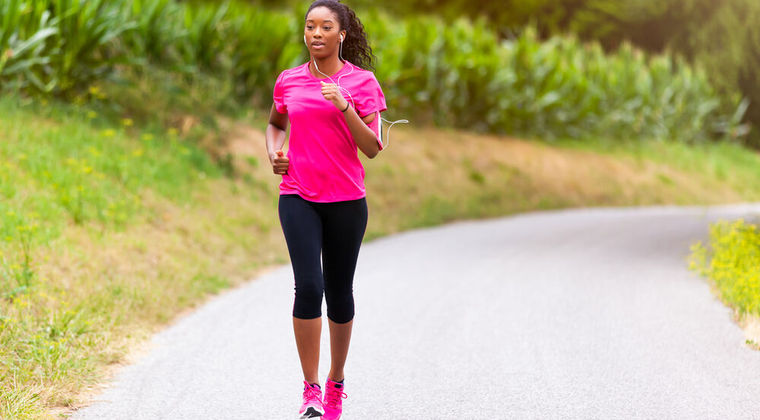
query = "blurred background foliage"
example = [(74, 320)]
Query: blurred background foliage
[(564, 68), (722, 37)]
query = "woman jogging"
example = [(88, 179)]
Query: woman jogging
[(333, 103)]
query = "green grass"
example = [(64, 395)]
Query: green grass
[(90, 171), (65, 169)]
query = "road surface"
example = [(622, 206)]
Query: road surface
[(579, 314)]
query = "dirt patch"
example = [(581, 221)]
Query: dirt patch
[(574, 176), (751, 327)]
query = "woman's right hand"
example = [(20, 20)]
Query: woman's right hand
[(279, 163)]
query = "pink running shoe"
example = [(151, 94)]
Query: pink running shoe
[(333, 400), (312, 402)]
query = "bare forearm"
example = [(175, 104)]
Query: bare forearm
[(364, 137), (275, 139)]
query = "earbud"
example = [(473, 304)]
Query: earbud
[(341, 37)]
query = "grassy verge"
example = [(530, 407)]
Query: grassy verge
[(731, 260), (432, 176), (723, 163), (110, 230)]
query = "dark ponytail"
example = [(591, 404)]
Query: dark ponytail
[(356, 49)]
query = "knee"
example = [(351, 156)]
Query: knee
[(340, 306), (308, 302)]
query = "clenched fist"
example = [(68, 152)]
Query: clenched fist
[(279, 163), (331, 92)]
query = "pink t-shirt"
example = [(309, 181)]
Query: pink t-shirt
[(324, 162)]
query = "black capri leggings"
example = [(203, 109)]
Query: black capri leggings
[(334, 230)]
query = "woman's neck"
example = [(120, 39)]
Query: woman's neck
[(327, 65)]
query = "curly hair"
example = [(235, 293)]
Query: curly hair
[(356, 49)]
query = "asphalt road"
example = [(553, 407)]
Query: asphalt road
[(581, 314)]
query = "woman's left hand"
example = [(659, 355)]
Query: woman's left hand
[(331, 92)]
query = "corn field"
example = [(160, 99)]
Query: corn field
[(456, 74)]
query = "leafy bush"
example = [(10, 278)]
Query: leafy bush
[(58, 45), (732, 262), (723, 37), (457, 73), (727, 45), (465, 77)]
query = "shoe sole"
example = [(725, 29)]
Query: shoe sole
[(311, 413)]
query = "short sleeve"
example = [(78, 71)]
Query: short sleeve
[(369, 97), (278, 95)]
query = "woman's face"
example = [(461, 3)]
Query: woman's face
[(322, 32)]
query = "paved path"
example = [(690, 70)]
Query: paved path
[(583, 314)]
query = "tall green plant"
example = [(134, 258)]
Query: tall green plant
[(560, 87), (260, 45), (25, 30), (727, 44), (206, 43), (159, 30), (85, 31), (723, 37), (455, 73), (55, 46)]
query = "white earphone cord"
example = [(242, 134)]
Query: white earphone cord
[(379, 123), (380, 130)]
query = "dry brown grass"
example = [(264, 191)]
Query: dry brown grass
[(481, 175)]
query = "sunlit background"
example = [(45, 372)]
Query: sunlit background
[(134, 181)]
